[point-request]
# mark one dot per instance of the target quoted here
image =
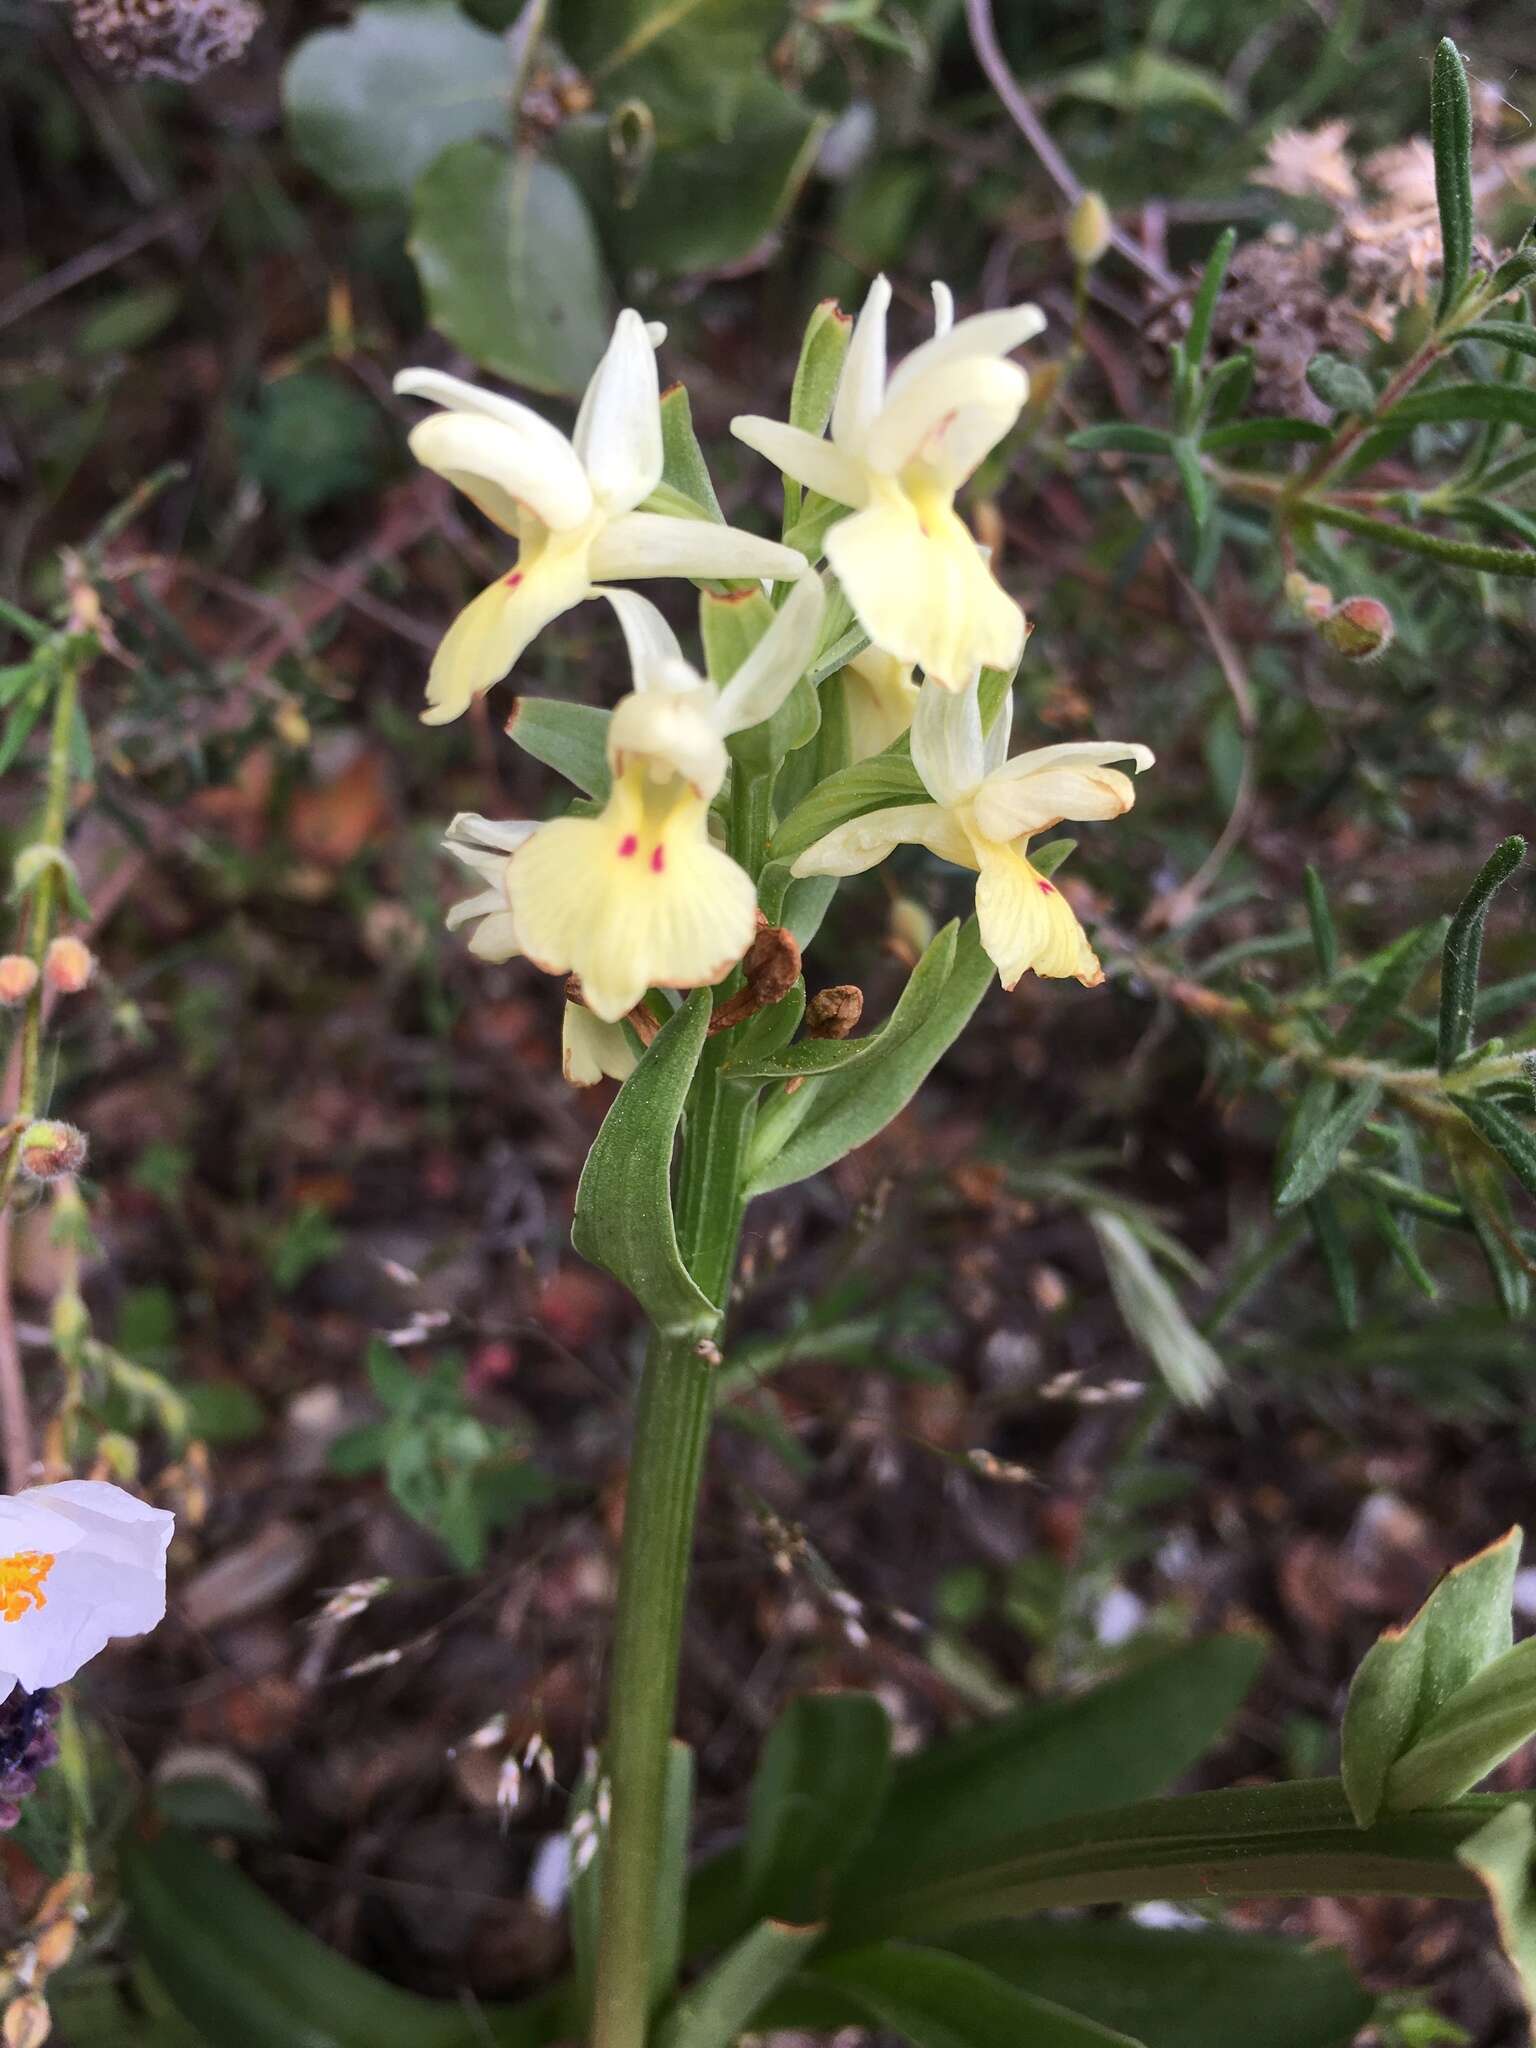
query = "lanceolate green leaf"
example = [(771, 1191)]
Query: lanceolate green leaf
[(1121, 437), (1499, 1127), (1123, 1739), (624, 1217), (683, 465), (1153, 1314), (570, 738), (510, 265), (1514, 334), (1325, 938), (1178, 1987), (1398, 971), (877, 784), (1317, 1160), (249, 1977), (820, 1056), (1410, 1673), (1488, 1720), (1450, 404), (1267, 433), (689, 60), (1480, 1185), (720, 2007), (935, 2000), (820, 1784), (1503, 1855), (850, 1108), (1450, 126), (1463, 952), (1415, 540), (1256, 1842)]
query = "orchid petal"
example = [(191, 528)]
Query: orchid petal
[(777, 662), (981, 335), (861, 387), (657, 544), (654, 653), (947, 749), (863, 842), (947, 420), (817, 463), (490, 633), (500, 471), (544, 446), (1027, 924), (1037, 790), (618, 428)]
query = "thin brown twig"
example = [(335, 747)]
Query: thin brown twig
[(1016, 103)]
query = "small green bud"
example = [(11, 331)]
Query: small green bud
[(1089, 231), (827, 334)]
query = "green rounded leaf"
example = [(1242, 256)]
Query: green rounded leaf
[(510, 265), (369, 106)]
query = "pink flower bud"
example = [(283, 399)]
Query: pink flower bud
[(18, 978), (1359, 628), (68, 966)]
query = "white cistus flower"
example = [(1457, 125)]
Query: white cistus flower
[(639, 897), (81, 1563), (985, 809), (901, 446), (569, 503)]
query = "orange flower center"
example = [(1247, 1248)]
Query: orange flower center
[(22, 1577)]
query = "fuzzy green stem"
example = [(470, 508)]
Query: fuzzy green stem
[(677, 1399), (45, 895)]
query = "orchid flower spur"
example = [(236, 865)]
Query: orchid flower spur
[(638, 897), (899, 450), (985, 810), (570, 505), (80, 1563)]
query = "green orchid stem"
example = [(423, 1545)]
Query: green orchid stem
[(676, 1403)]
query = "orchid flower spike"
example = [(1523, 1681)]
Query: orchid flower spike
[(638, 897), (570, 505), (80, 1563), (985, 810), (900, 449)]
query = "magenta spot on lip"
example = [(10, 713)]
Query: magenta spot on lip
[(513, 580), (658, 859), (629, 846), (1046, 889)]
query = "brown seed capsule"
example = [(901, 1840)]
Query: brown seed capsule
[(18, 978), (1359, 628), (834, 1012), (68, 966), (50, 1149)]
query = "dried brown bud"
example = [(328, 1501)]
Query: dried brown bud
[(68, 966), (1359, 628), (833, 1012), (179, 39), (772, 967), (50, 1149), (18, 978)]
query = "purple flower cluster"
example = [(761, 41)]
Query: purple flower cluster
[(27, 1745)]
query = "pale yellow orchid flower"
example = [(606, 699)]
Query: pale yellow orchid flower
[(570, 504), (985, 810), (591, 1051), (639, 897), (900, 447), (484, 845)]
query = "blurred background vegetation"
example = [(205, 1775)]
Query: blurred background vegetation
[(333, 1157)]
